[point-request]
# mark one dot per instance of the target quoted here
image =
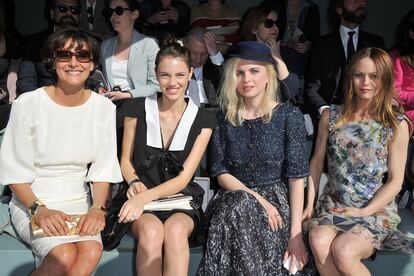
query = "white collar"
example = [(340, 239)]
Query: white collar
[(343, 31), (152, 119)]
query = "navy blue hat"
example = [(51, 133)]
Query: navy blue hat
[(251, 50)]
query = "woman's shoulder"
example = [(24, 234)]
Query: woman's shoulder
[(142, 38), (206, 118), (102, 101), (287, 108)]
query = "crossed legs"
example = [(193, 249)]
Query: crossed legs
[(78, 258), (154, 236), (339, 253)]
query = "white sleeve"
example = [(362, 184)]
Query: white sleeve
[(16, 152), (105, 167)]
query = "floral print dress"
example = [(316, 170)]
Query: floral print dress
[(357, 162)]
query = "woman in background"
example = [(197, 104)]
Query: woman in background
[(128, 58)]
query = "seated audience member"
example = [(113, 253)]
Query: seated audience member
[(128, 58), (261, 24), (165, 136), (331, 53), (257, 156), (363, 139), (206, 61), (166, 17), (32, 72), (10, 53), (403, 59), (92, 18), (303, 29), (217, 15), (60, 137)]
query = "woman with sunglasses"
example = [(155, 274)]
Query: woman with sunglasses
[(261, 24), (58, 139), (257, 156), (165, 136), (128, 58)]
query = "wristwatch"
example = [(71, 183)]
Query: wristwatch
[(35, 206)]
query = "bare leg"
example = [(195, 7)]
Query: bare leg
[(58, 261), (320, 240), (177, 229), (89, 254), (150, 233), (348, 250)]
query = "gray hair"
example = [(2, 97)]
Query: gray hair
[(196, 32)]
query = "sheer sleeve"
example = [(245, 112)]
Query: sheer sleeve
[(295, 147), (105, 167), (218, 148), (16, 153)]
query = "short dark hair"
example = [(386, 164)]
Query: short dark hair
[(58, 39), (169, 46), (132, 4)]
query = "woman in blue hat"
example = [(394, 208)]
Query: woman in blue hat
[(254, 221)]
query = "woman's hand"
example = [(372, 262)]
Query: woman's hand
[(350, 212), (275, 48), (117, 95), (172, 14), (275, 220), (132, 209), (302, 47), (156, 18), (52, 222), (296, 251), (136, 188), (92, 223), (307, 213)]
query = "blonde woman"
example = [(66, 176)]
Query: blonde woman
[(257, 149), (363, 139)]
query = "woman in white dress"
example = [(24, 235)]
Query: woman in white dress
[(59, 138)]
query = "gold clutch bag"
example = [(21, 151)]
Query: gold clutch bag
[(38, 232)]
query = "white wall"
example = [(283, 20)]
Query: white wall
[(383, 15)]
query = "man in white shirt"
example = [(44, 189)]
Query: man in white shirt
[(206, 61), (330, 54)]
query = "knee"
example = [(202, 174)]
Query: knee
[(62, 258), (176, 236), (319, 242), (344, 257), (91, 255), (150, 237)]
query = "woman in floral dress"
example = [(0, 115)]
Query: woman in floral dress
[(364, 139)]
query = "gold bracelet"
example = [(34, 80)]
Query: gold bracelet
[(98, 207)]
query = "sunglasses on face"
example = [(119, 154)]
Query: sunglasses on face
[(268, 23), (65, 9), (117, 10), (83, 56)]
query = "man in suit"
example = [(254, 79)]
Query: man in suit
[(32, 72), (206, 61), (331, 53), (92, 18)]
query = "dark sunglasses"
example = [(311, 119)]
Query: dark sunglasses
[(83, 56), (65, 9), (268, 23), (118, 10)]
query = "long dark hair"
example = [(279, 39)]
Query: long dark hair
[(405, 43)]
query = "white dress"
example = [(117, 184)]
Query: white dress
[(50, 146)]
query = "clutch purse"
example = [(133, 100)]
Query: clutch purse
[(38, 232), (177, 201)]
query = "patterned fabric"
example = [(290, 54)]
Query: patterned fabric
[(262, 156), (357, 160)]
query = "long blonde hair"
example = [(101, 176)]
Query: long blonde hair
[(382, 107), (231, 101)]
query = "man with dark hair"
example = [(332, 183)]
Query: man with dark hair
[(330, 54), (32, 73)]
